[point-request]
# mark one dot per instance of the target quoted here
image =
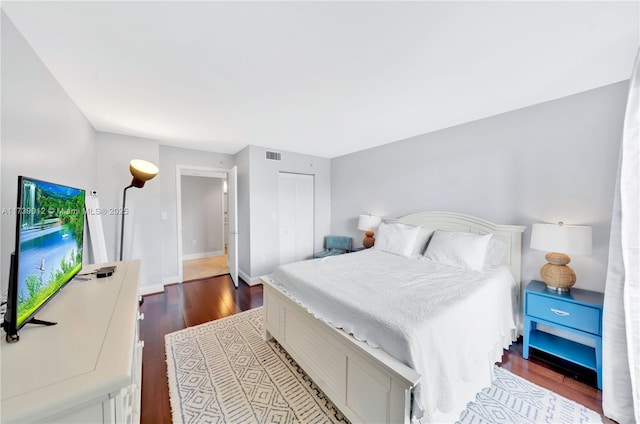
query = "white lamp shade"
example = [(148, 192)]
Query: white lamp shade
[(368, 222), (142, 170), (561, 238)]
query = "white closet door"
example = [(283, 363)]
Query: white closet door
[(304, 217), (296, 217), (287, 214)]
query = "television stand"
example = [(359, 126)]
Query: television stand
[(40, 322), (12, 338)]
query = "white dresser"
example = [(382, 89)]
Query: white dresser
[(88, 367)]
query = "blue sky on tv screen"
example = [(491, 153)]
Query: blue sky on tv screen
[(56, 188)]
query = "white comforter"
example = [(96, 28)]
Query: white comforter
[(448, 324)]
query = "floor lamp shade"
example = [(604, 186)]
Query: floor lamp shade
[(142, 171), (560, 240), (368, 224)]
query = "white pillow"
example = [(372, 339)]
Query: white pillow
[(421, 241), (495, 253), (396, 238), (458, 249)]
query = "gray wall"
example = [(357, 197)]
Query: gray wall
[(551, 162), (202, 217), (44, 135), (142, 219), (170, 158), (263, 210)]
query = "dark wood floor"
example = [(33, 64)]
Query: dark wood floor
[(195, 302), (178, 307)]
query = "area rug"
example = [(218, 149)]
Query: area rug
[(224, 372), (512, 399)]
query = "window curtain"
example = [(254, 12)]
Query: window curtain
[(621, 322)]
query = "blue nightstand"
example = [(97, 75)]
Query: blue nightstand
[(577, 311)]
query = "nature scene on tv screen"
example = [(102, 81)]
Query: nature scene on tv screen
[(51, 230)]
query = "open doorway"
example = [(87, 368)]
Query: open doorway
[(203, 223), (204, 210), (198, 269)]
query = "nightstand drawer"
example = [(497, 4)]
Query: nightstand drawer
[(580, 317)]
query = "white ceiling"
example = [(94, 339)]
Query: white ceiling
[(321, 78)]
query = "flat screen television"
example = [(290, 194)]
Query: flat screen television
[(50, 220)]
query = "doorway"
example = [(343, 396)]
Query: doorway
[(203, 212), (210, 266)]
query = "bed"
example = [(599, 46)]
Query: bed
[(384, 341)]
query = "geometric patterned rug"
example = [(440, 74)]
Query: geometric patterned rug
[(512, 399), (224, 372)]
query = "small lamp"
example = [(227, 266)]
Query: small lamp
[(559, 240), (142, 172), (368, 224)]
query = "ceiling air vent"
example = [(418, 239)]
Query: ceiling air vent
[(273, 155)]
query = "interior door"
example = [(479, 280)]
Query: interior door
[(295, 206), (232, 247), (287, 214)]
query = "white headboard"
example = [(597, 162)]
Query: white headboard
[(510, 234)]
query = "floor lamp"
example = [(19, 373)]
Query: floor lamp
[(142, 172)]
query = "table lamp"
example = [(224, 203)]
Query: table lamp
[(559, 240), (142, 171), (368, 224)]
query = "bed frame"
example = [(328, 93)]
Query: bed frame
[(365, 383)]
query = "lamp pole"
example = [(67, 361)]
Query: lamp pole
[(124, 204), (142, 171)]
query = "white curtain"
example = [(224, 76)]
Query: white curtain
[(621, 327)]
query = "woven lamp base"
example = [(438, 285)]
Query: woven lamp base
[(556, 274)]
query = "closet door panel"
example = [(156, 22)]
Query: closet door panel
[(287, 213), (296, 216), (304, 217)]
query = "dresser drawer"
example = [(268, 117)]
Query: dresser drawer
[(580, 317)]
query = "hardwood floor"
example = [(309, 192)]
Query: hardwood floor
[(181, 306), (567, 379), (196, 302)]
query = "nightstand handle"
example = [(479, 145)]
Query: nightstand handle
[(559, 312)]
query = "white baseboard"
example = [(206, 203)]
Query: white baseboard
[(174, 279), (170, 280), (156, 288), (244, 276), (247, 279), (201, 255)]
